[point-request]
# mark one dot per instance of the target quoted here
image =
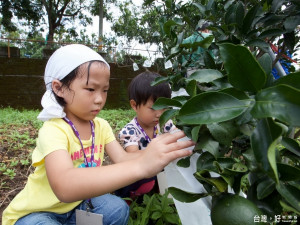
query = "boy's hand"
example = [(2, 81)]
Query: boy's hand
[(162, 150)]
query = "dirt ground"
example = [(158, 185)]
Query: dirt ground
[(13, 151)]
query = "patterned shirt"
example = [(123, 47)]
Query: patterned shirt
[(132, 135)]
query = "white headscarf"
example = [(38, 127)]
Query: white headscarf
[(63, 61)]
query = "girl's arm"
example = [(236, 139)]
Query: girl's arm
[(132, 148), (117, 154), (72, 184)]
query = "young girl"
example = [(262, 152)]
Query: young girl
[(68, 176), (138, 133)]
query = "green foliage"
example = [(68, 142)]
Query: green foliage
[(10, 172), (58, 13), (155, 209), (117, 118), (17, 117), (22, 10), (243, 120), (136, 23)]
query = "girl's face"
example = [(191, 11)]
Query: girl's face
[(86, 96), (146, 115)]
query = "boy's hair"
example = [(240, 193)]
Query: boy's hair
[(67, 80), (140, 89)]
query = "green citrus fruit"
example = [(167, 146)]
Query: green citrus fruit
[(229, 209)]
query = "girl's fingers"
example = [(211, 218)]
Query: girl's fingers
[(178, 154), (168, 138), (179, 145)]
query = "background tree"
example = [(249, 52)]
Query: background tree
[(141, 24), (56, 14), (21, 9)]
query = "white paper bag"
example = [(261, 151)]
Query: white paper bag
[(135, 67), (195, 213)]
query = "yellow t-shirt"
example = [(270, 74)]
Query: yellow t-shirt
[(37, 195)]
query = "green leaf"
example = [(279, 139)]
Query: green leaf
[(168, 209), (171, 218), (168, 3), (281, 102), (224, 132), (228, 4), (288, 208), (205, 75), (156, 215), (272, 33), (185, 162), (276, 4), (290, 194), (218, 182), (165, 116), (160, 222), (295, 184), (211, 107), (191, 88), (265, 188), (159, 80), (224, 162), (235, 93), (288, 172), (187, 131), (205, 43), (205, 162), (239, 14), (250, 159), (207, 143), (263, 142), (209, 60), (238, 167), (249, 19), (266, 63), (291, 23), (163, 103), (174, 51), (169, 24), (293, 80), (181, 99), (195, 133), (146, 212), (229, 179), (291, 145), (184, 196), (200, 7), (289, 40), (271, 19), (258, 43), (222, 83), (244, 72), (230, 15)]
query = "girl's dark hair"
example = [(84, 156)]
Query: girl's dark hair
[(140, 89), (67, 80)]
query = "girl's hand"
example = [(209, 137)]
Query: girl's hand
[(161, 151), (72, 184)]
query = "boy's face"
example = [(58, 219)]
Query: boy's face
[(85, 100), (146, 115)]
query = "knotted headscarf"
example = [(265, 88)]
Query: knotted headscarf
[(63, 61)]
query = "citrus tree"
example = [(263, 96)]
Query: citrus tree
[(244, 121)]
